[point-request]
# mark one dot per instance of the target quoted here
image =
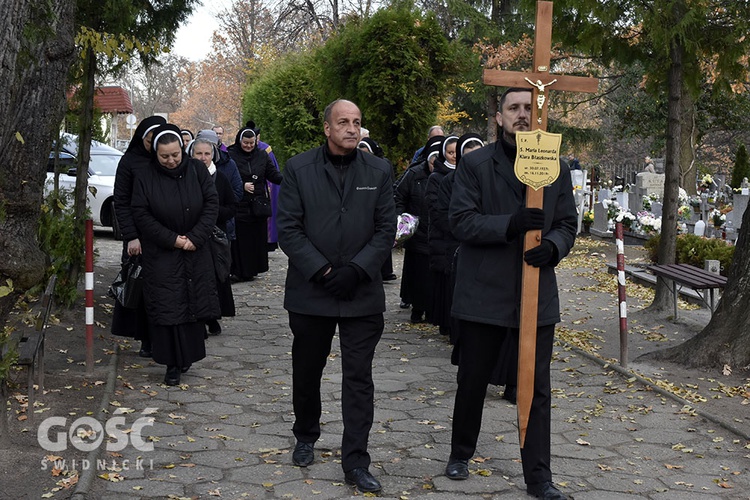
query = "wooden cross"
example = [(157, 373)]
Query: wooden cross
[(540, 81)]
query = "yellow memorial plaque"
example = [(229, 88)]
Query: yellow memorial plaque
[(538, 158)]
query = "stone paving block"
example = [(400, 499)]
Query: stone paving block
[(312, 489), (147, 488), (212, 409), (413, 467), (228, 490), (224, 459), (183, 444), (265, 473)]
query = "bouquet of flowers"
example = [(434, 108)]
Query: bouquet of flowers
[(626, 218), (685, 212), (613, 208), (649, 223), (588, 217), (707, 181), (647, 200), (718, 218), (405, 228)]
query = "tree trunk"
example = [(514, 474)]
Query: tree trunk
[(85, 134), (726, 338), (687, 150), (668, 240), (36, 50)]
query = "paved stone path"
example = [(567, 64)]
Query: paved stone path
[(227, 431)]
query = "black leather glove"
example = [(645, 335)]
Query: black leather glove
[(320, 277), (524, 220), (341, 282), (541, 255)]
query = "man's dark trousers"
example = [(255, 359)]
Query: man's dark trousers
[(312, 345), (478, 351)]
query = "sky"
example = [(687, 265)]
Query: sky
[(193, 39)]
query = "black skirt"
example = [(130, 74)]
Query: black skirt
[(250, 249), (178, 345), (416, 281)]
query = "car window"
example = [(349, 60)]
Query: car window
[(104, 164)]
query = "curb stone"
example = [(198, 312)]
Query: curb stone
[(87, 476)]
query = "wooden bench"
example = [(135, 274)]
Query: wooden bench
[(691, 277), (31, 346)]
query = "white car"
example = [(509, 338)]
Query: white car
[(101, 180)]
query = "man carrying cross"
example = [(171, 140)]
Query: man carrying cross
[(489, 217)]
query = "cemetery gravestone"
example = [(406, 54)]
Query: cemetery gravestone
[(600, 227)]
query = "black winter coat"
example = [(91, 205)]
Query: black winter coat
[(227, 200), (410, 195), (321, 223), (443, 244), (130, 167), (256, 167), (486, 193), (179, 285)]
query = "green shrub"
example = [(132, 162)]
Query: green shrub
[(58, 228), (695, 250)]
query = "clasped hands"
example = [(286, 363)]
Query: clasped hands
[(183, 242), (340, 281), (529, 219)]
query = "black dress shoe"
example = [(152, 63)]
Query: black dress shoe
[(546, 491), (363, 480), (389, 277), (214, 328), (416, 316), (304, 454), (173, 375), (404, 305), (145, 351), (510, 393), (457, 469)]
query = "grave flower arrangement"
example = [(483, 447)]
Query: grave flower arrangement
[(613, 208), (626, 218), (685, 212), (648, 223), (588, 217), (706, 182), (647, 200), (718, 218)]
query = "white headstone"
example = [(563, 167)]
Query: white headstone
[(622, 199), (647, 183), (700, 228)]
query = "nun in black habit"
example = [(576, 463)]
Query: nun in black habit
[(250, 249), (132, 322)]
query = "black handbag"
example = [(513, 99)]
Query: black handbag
[(127, 288), (221, 251), (261, 206)]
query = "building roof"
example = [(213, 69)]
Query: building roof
[(112, 99)]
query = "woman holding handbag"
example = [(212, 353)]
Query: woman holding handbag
[(175, 207), (250, 249)]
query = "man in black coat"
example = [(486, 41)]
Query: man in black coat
[(337, 224), (488, 216)]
